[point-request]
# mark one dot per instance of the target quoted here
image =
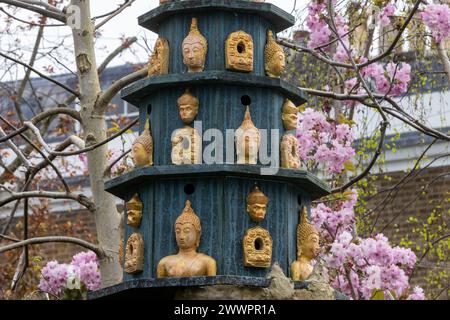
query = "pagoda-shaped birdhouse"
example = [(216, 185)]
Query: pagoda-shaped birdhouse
[(217, 187)]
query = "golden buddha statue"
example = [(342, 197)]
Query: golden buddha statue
[(134, 211), (248, 141), (134, 255), (307, 248), (275, 59), (159, 60), (290, 157), (142, 150), (195, 47), (188, 105), (188, 262), (257, 205)]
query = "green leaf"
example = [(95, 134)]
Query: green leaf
[(377, 294), (349, 166)]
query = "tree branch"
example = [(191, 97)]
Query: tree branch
[(81, 199), (125, 45), (99, 251), (73, 153), (40, 74), (121, 8), (42, 116), (108, 95), (53, 14)]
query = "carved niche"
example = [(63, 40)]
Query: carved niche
[(134, 256), (239, 52), (257, 248)]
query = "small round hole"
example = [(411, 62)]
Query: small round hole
[(149, 109), (241, 47), (246, 100), (189, 189), (259, 244)]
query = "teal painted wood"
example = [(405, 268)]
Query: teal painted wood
[(220, 108), (279, 19), (220, 189), (215, 27), (220, 203)]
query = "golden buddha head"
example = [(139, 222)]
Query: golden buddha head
[(248, 141), (188, 105), (188, 229), (142, 150), (275, 59), (257, 205), (195, 47), (289, 115), (307, 237), (134, 211)]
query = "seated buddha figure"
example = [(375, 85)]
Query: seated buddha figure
[(188, 262), (290, 158), (142, 150), (308, 248), (195, 47)]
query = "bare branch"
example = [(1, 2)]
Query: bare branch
[(53, 13), (109, 94), (90, 148), (121, 8), (77, 94), (375, 157), (16, 150), (81, 199), (125, 45), (42, 116), (99, 251)]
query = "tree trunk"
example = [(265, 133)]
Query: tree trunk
[(107, 218)]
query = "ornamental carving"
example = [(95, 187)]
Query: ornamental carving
[(257, 248), (159, 60), (134, 256), (239, 52)]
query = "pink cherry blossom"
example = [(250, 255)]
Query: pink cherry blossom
[(437, 18)]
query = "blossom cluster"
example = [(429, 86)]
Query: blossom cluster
[(83, 271), (437, 18), (320, 32), (391, 80), (359, 267), (324, 142)]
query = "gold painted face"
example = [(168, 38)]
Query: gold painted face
[(290, 120), (257, 211), (134, 217), (188, 113), (278, 63), (186, 236), (140, 156), (194, 56), (311, 248)]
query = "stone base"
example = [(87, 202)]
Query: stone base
[(276, 287)]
